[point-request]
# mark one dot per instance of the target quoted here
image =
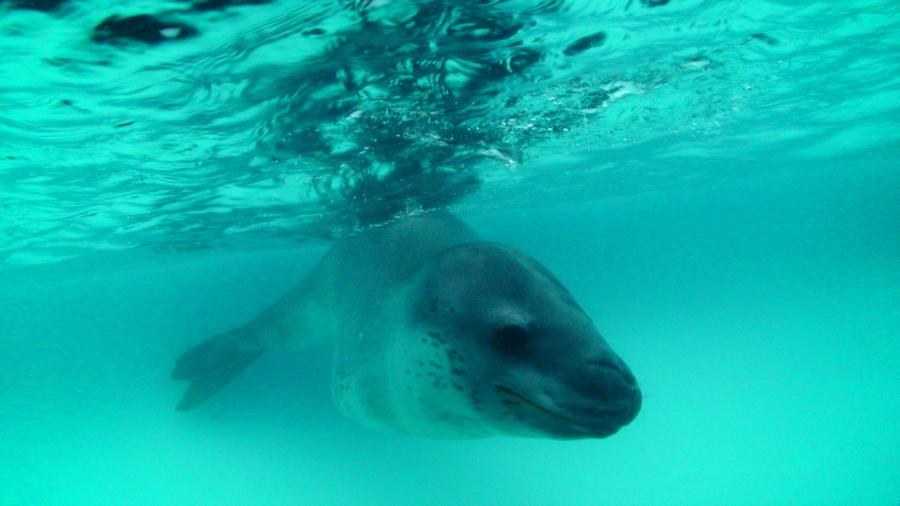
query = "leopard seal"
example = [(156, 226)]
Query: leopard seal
[(437, 333)]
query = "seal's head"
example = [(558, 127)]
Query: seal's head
[(529, 359)]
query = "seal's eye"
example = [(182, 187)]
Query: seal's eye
[(510, 339)]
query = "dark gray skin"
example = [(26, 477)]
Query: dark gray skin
[(439, 334)]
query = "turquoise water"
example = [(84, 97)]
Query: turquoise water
[(716, 182)]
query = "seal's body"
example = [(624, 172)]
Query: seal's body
[(438, 334)]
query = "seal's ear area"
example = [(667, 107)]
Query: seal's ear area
[(212, 364)]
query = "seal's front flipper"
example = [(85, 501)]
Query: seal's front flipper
[(210, 365)]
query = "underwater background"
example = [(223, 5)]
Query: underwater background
[(717, 183)]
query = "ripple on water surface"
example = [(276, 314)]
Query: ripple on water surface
[(197, 124)]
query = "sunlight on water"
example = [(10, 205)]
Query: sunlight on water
[(715, 182), (211, 124)]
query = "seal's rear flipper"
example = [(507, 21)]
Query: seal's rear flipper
[(210, 365)]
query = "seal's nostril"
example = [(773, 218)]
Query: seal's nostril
[(615, 365), (601, 363), (629, 377), (604, 364)]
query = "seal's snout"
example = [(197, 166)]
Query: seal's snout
[(608, 377), (609, 392)]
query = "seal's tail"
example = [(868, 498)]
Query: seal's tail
[(212, 364)]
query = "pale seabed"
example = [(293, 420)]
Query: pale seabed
[(760, 316)]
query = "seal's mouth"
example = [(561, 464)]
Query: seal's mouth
[(512, 394), (565, 425)]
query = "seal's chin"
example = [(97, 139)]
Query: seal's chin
[(552, 421)]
